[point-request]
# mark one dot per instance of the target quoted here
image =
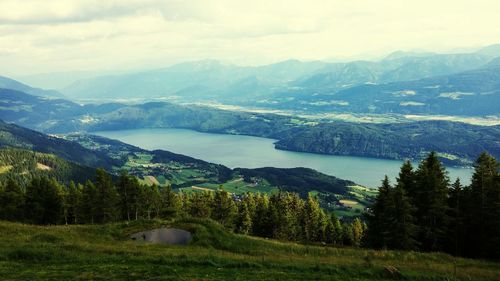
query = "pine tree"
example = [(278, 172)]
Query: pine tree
[(170, 201), (311, 219), (431, 203), (357, 232), (285, 215), (88, 203), (261, 223), (379, 217), (200, 204), (244, 224), (156, 200), (338, 231), (224, 209), (322, 226), (407, 180), (11, 202), (43, 201), (483, 209), (71, 198), (107, 198), (402, 230), (129, 191), (456, 228)]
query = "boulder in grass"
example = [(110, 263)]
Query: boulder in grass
[(171, 236)]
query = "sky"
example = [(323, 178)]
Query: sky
[(43, 36)]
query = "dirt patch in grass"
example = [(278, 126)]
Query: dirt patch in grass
[(152, 180), (43, 167), (201, 188), (348, 202), (5, 169)]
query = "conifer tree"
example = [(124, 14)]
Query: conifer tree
[(244, 224), (338, 231), (72, 196), (43, 201), (170, 201), (483, 209), (224, 209), (402, 228), (11, 202), (88, 204), (311, 219), (357, 229), (106, 199), (456, 227), (200, 204), (378, 217), (261, 223), (407, 180), (431, 203), (129, 191)]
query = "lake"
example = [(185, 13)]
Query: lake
[(254, 152)]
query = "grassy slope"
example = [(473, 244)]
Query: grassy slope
[(103, 252)]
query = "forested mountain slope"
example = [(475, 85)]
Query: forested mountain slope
[(23, 165), (457, 143), (12, 84), (18, 137)]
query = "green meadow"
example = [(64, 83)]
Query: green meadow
[(105, 252)]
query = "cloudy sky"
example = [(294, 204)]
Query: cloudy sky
[(40, 36)]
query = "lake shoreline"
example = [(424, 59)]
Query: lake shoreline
[(241, 151)]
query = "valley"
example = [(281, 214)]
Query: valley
[(249, 140), (252, 152), (186, 174)]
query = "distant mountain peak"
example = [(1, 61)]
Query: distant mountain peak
[(491, 50), (8, 83), (403, 54)]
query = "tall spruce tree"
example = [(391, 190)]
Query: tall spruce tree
[(171, 202), (224, 209), (106, 199), (129, 191), (431, 203), (88, 203), (311, 219), (379, 217), (406, 180), (483, 209), (456, 227), (261, 221), (402, 229), (11, 201), (43, 201), (72, 196), (244, 222), (200, 204)]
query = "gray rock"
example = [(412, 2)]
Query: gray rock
[(171, 236)]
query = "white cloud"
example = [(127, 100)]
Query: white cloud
[(45, 36)]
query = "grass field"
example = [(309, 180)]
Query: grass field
[(104, 252)]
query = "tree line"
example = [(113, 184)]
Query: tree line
[(284, 216), (423, 211)]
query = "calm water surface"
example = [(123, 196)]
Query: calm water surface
[(253, 152)]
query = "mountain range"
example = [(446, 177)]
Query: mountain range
[(287, 84)]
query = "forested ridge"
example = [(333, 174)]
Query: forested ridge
[(456, 143), (423, 211)]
